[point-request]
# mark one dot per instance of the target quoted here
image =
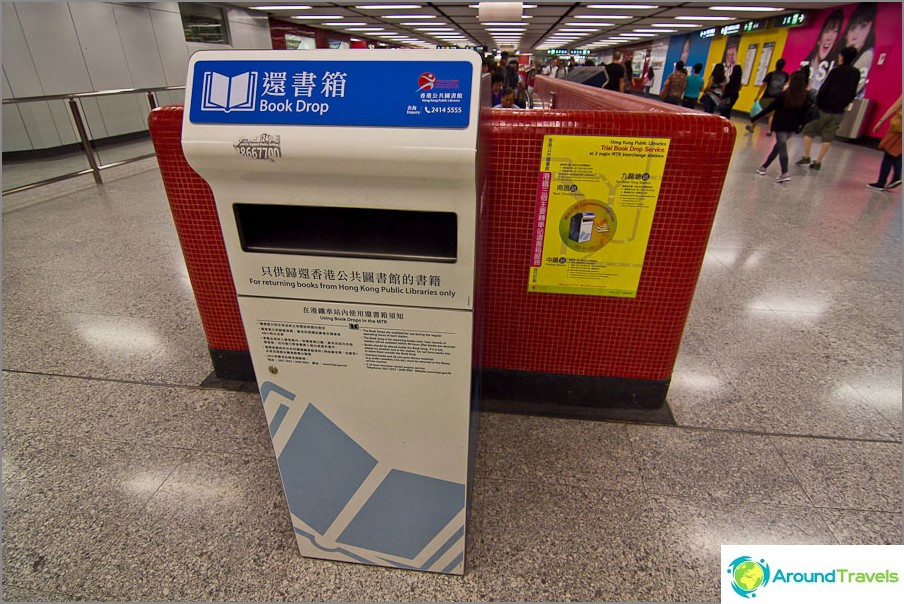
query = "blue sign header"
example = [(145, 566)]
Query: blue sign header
[(392, 94)]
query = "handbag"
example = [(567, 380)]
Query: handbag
[(755, 108), (894, 124)]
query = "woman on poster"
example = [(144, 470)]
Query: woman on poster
[(861, 34), (828, 44)]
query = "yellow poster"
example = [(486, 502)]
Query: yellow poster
[(595, 203)]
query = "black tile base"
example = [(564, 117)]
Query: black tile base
[(577, 396)]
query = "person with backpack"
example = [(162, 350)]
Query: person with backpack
[(673, 87), (712, 96), (790, 114), (731, 92), (773, 85)]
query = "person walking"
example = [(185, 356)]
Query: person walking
[(731, 92), (773, 85), (891, 146), (693, 88), (712, 96), (835, 94), (616, 72), (648, 78), (674, 85), (790, 109)]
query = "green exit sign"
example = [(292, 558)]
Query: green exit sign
[(792, 20), (757, 25)]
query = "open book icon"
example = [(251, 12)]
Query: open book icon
[(229, 93)]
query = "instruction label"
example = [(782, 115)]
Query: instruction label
[(348, 337), (596, 198)]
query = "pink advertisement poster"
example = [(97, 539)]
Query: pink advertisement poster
[(874, 29)]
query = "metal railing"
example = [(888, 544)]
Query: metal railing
[(85, 142)]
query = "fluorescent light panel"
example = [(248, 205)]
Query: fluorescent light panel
[(283, 7), (318, 17), (752, 9), (623, 6), (590, 24), (387, 6), (688, 25), (341, 24), (409, 16), (706, 18), (602, 17)]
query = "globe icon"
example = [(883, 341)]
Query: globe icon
[(748, 575)]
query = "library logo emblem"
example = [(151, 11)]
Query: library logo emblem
[(229, 93), (427, 81), (748, 575)]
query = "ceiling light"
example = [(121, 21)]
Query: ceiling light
[(602, 17), (365, 29), (575, 31), (318, 17), (387, 6), (649, 31), (436, 29), (624, 6), (408, 16), (522, 6), (690, 25), (422, 23), (504, 24), (590, 24), (282, 7), (753, 9), (645, 35), (706, 18), (341, 24)]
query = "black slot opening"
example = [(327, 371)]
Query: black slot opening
[(348, 232)]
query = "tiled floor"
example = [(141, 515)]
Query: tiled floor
[(124, 480)]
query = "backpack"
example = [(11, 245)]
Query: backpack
[(776, 83)]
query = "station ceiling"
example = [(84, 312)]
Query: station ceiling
[(542, 25)]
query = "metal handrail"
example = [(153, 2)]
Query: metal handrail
[(84, 138)]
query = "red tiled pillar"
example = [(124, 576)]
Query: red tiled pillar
[(195, 217)]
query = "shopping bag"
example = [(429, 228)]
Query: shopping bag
[(755, 108)]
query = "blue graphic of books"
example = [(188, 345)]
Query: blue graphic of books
[(404, 514), (322, 468)]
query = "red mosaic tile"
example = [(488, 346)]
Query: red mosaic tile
[(634, 338), (629, 338), (198, 227)]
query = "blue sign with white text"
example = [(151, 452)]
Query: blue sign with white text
[(394, 94)]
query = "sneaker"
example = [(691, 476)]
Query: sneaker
[(803, 161), (749, 128), (784, 177), (893, 184), (761, 171), (874, 186), (815, 165)]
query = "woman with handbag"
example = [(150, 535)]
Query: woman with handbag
[(791, 109), (891, 145), (712, 94), (673, 87)]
